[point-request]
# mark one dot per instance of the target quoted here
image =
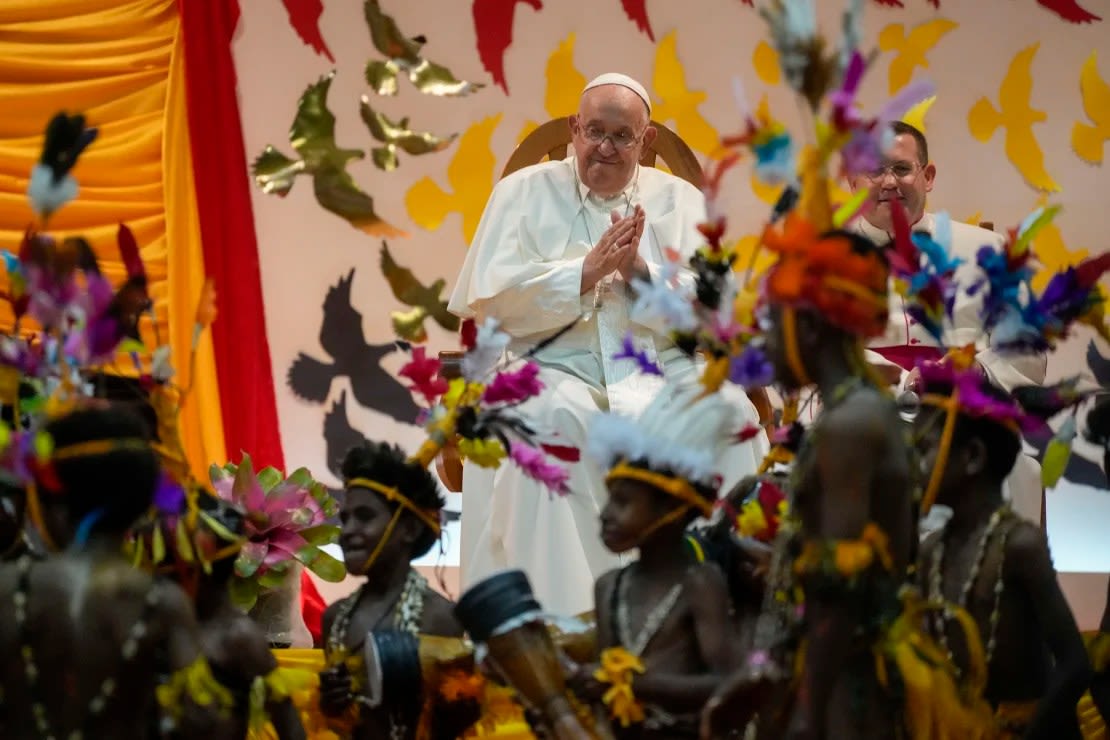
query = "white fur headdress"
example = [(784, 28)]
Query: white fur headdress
[(678, 432)]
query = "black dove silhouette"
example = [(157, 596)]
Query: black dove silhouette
[(340, 437), (342, 338)]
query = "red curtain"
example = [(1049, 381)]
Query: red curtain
[(227, 231)]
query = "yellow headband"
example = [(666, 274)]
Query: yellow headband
[(676, 487), (790, 340), (430, 517), (96, 447)]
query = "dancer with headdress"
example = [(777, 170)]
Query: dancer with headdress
[(390, 516), (664, 626)]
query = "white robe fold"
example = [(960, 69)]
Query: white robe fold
[(524, 269)]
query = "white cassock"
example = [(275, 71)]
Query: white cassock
[(905, 338), (525, 269)]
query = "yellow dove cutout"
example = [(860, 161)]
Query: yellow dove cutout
[(765, 60), (1051, 253), (564, 85), (1087, 140), (674, 101), (910, 48), (915, 116), (974, 219), (1016, 117), (471, 174)]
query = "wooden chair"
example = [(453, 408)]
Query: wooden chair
[(551, 141)]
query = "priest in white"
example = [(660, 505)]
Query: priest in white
[(561, 241), (908, 176)]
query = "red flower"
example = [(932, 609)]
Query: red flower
[(424, 373)]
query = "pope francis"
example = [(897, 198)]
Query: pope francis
[(558, 241)]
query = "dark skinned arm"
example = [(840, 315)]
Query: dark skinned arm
[(248, 643), (707, 595), (855, 440), (580, 678), (1030, 569), (335, 683), (183, 648)]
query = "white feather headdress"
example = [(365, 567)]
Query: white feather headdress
[(681, 431)]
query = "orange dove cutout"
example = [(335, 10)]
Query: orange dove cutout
[(674, 101), (564, 85), (765, 60), (1016, 117), (1087, 140), (910, 48), (1051, 253), (471, 173)]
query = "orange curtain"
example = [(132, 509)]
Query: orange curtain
[(120, 62)]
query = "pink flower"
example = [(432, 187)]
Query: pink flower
[(513, 387), (535, 465)]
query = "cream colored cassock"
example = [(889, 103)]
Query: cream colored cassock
[(1023, 487), (524, 269)]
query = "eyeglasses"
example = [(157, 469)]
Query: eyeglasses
[(900, 170), (620, 140)]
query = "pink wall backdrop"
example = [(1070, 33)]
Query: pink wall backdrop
[(688, 61)]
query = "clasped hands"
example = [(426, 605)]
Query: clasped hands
[(616, 251)]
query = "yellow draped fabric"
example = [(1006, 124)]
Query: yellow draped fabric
[(316, 725), (120, 62)]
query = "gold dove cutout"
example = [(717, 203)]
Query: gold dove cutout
[(396, 135), (1086, 140), (1050, 251), (470, 174), (1016, 117), (424, 301), (915, 116), (312, 136), (765, 61), (403, 56), (564, 85), (910, 49), (674, 101)]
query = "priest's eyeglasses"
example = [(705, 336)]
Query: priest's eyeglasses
[(620, 140), (900, 170)]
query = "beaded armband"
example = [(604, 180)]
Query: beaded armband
[(830, 566), (617, 669), (196, 685)]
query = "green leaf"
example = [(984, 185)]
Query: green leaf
[(273, 578), (216, 473), (268, 478), (1055, 461), (246, 565), (244, 477), (244, 592), (326, 567), (301, 478), (321, 534)]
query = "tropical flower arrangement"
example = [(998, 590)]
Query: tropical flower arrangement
[(286, 524), (479, 411)]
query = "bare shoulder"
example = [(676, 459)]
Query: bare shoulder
[(173, 604), (867, 416), (704, 579), (439, 616), (1026, 548)]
